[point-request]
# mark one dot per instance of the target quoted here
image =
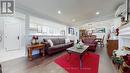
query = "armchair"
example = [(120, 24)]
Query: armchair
[(91, 42)]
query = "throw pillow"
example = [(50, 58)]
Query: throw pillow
[(50, 42), (67, 40)]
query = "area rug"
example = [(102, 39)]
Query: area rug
[(72, 63)]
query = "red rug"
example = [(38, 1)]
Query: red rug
[(72, 63)]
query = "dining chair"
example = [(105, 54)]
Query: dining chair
[(101, 41)]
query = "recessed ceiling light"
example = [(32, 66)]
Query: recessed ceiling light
[(59, 12), (97, 13), (73, 20)]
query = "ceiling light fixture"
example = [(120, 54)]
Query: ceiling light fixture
[(73, 20), (97, 13), (59, 12)]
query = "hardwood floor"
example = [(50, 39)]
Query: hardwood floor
[(23, 65), (105, 64), (46, 65)]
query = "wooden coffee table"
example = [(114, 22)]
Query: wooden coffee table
[(81, 52), (39, 47)]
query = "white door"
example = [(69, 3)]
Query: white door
[(12, 36)]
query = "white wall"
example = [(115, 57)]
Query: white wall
[(44, 23), (56, 27), (117, 22), (124, 36), (1, 32), (7, 55), (124, 42)]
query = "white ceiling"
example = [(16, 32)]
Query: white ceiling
[(80, 10)]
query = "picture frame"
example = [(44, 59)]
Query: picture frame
[(71, 31)]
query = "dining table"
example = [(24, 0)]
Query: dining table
[(99, 39)]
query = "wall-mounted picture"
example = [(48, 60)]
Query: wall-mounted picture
[(99, 30), (71, 31)]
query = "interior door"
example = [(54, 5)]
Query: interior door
[(12, 35)]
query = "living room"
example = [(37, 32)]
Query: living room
[(64, 36)]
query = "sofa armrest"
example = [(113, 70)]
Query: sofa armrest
[(47, 45), (95, 42)]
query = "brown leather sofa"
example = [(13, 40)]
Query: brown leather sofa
[(58, 45)]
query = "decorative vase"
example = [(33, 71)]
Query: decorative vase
[(79, 46)]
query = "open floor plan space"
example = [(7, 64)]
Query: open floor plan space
[(64, 36)]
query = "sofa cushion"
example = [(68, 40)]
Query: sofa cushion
[(68, 44), (57, 46), (55, 41), (61, 41), (88, 41), (91, 44)]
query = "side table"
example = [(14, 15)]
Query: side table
[(39, 47)]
